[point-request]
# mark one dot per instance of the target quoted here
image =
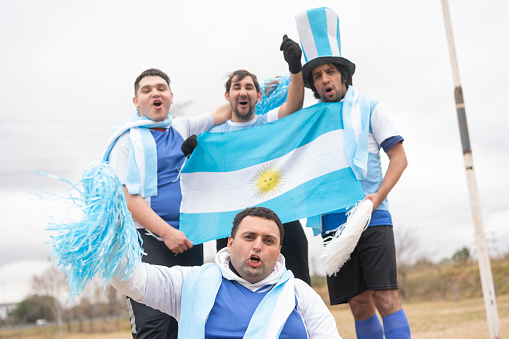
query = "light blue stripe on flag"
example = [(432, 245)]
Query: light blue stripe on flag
[(296, 166)]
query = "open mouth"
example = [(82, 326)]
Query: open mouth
[(243, 103), (328, 90), (158, 103), (255, 259)]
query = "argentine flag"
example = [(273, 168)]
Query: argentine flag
[(297, 166)]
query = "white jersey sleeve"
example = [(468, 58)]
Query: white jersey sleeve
[(382, 127), (187, 126), (272, 115), (134, 286), (319, 322), (164, 288), (159, 287), (119, 155)]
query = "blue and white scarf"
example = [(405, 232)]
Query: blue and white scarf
[(202, 284), (356, 114), (141, 172)]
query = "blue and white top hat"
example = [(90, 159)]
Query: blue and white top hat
[(319, 37)]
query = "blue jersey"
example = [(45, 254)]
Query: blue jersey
[(226, 310), (170, 159)]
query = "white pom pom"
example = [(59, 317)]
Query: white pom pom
[(338, 250)]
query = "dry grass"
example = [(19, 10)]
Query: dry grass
[(465, 319)]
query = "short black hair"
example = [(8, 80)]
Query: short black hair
[(151, 72), (260, 212), (241, 74), (345, 76)]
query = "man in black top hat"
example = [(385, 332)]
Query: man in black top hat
[(368, 280)]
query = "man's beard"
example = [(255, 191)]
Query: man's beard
[(336, 98), (340, 94), (245, 117)]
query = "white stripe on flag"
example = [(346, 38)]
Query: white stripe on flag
[(299, 166)]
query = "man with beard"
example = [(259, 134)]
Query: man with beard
[(368, 280), (243, 92)]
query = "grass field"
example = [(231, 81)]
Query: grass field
[(465, 319)]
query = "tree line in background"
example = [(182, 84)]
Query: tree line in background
[(452, 278), (49, 302)]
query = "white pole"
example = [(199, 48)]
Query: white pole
[(488, 288)]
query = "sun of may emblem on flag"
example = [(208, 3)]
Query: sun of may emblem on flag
[(268, 180)]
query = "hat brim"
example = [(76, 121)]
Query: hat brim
[(309, 66)]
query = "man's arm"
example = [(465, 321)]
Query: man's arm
[(135, 285), (159, 287), (222, 114), (292, 54), (397, 164), (316, 316), (174, 239), (295, 98)]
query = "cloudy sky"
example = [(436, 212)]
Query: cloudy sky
[(67, 69)]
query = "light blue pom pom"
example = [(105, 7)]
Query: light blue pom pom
[(105, 235), (275, 92)]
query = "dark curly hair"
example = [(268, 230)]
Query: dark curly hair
[(345, 75), (241, 74)]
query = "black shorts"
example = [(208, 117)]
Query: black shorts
[(372, 266), (159, 254)]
